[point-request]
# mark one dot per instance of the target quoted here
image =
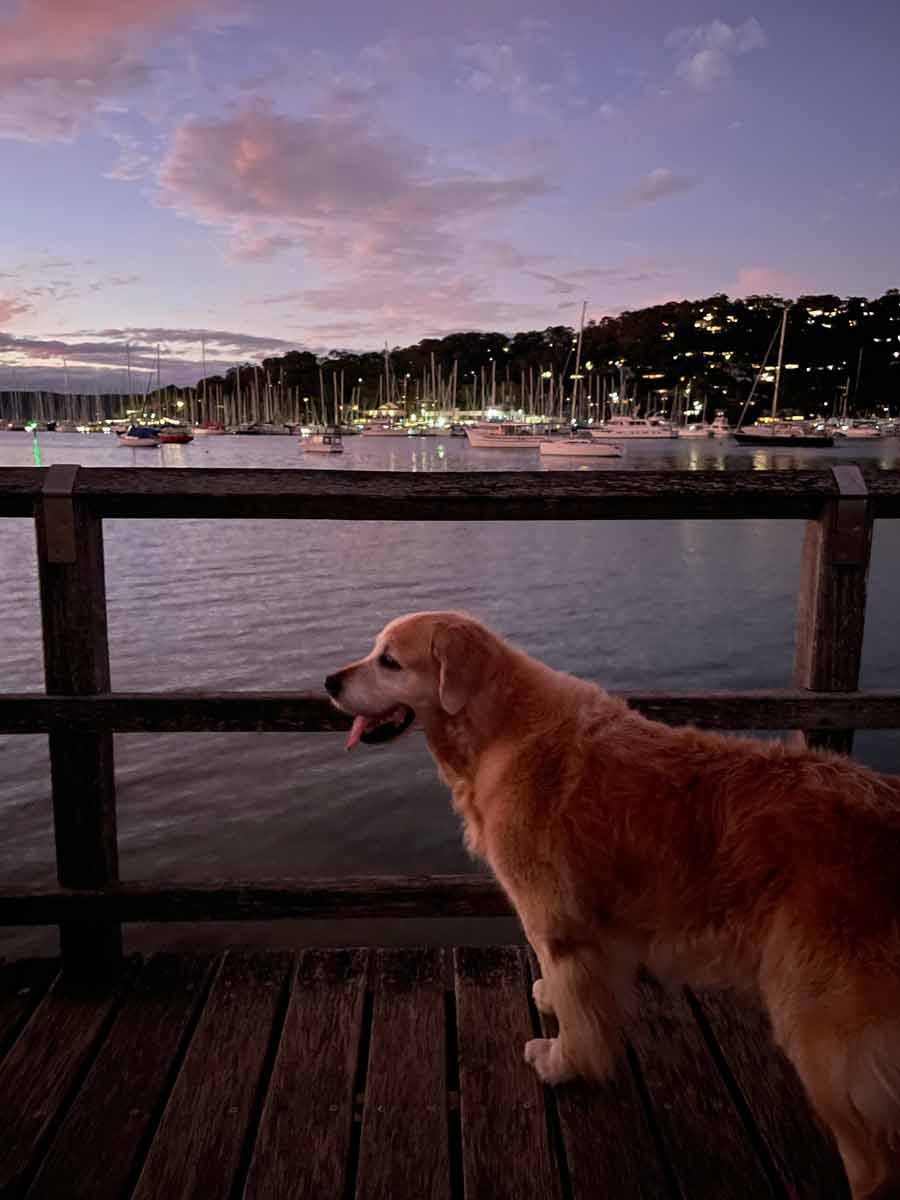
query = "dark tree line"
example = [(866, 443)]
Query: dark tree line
[(710, 348)]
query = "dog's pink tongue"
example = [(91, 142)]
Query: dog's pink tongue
[(357, 729)]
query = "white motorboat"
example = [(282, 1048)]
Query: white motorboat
[(861, 429), (503, 435), (329, 442), (579, 445), (699, 429), (618, 428), (211, 429)]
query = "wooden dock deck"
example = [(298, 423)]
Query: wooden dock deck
[(381, 1075)]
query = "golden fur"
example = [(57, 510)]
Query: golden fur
[(711, 859)]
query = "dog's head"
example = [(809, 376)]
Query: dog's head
[(421, 665)]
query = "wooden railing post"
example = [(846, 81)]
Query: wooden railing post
[(831, 611), (76, 663)]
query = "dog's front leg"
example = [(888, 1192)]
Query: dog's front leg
[(577, 984)]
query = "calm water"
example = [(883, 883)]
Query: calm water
[(276, 605)]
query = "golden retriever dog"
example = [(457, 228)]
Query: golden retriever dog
[(711, 859)]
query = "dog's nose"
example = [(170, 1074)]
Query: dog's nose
[(333, 685)]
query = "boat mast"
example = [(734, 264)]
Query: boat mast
[(203, 361), (776, 394), (858, 374), (576, 378)]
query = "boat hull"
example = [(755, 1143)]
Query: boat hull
[(592, 449), (491, 441)]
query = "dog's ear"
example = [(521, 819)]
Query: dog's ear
[(460, 651)]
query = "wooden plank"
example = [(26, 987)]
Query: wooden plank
[(831, 608), (381, 896), (311, 712), (803, 1154), (506, 1147), (707, 1145), (99, 1146), (198, 1146), (302, 1147), (76, 662), (608, 1143), (385, 495), (404, 1145), (22, 986), (44, 1067)]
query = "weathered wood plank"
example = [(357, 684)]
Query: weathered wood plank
[(98, 1148), (302, 1147), (404, 1145), (506, 1147), (76, 662), (384, 495), (707, 1145), (198, 1146), (831, 607), (310, 712), (381, 896), (43, 1067), (803, 1154), (608, 1144), (22, 986)]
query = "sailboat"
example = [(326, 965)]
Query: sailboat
[(773, 432)]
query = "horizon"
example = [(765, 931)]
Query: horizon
[(383, 173)]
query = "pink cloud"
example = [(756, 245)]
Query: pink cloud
[(347, 188), (63, 61), (247, 246), (10, 308)]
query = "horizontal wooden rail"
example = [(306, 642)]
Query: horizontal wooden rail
[(388, 495), (292, 712), (378, 896)]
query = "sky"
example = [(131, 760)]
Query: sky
[(264, 175)]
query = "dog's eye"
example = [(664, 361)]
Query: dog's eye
[(389, 663)]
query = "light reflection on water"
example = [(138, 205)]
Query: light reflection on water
[(273, 605)]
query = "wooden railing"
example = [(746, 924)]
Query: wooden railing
[(80, 714)]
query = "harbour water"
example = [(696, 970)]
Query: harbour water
[(676, 605)]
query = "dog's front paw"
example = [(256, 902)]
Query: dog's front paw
[(545, 1055), (541, 994)]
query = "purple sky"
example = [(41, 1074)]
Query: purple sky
[(323, 175)]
